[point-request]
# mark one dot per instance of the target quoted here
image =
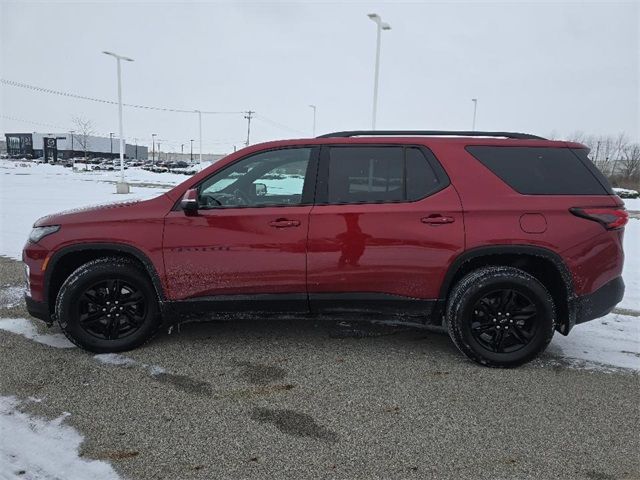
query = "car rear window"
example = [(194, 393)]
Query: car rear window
[(541, 171)]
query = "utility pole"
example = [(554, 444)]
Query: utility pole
[(153, 151), (159, 156), (249, 116), (191, 155), (181, 150), (72, 132), (136, 142), (111, 141)]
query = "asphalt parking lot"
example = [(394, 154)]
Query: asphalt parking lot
[(288, 399)]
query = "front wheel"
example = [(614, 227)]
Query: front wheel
[(500, 316), (108, 305)]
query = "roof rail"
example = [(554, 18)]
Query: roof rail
[(431, 133)]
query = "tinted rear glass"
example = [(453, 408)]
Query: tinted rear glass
[(539, 171)]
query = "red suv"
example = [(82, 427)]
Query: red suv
[(502, 238)]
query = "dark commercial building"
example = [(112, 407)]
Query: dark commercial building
[(61, 146)]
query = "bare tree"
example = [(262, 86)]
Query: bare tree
[(629, 168), (83, 132)]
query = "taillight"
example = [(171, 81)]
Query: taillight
[(609, 218)]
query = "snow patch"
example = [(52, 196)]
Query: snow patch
[(24, 327), (115, 359), (126, 362), (37, 448), (611, 341)]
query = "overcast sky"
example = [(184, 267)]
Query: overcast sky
[(538, 67)]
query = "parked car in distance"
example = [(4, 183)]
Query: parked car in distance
[(500, 238), (626, 193)]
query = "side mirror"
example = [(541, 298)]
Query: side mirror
[(189, 202), (260, 189)]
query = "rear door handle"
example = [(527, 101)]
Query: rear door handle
[(284, 223), (437, 219)]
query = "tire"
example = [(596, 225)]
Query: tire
[(500, 316), (102, 316)]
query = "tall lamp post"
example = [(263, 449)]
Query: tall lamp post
[(111, 143), (153, 147), (122, 186), (314, 118), (475, 109), (191, 154), (380, 26)]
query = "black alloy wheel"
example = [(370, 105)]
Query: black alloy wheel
[(504, 321), (112, 309)]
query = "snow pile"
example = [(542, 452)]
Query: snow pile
[(24, 327), (121, 361), (36, 448), (612, 341)]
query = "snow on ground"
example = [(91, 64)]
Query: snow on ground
[(631, 272), (27, 329), (36, 448), (632, 204), (612, 341)]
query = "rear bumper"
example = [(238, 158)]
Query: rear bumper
[(599, 303), (37, 309)]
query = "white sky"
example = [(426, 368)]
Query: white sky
[(538, 67)]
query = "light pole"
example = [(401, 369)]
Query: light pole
[(121, 187), (314, 118), (191, 155), (380, 26), (475, 109), (153, 147), (72, 132), (199, 136), (111, 142)]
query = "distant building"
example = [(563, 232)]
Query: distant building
[(3, 147), (54, 146)]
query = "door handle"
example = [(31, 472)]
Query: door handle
[(284, 223), (437, 219)]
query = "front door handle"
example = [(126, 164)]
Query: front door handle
[(284, 223), (437, 219)]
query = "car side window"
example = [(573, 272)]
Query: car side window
[(270, 178), (368, 174)]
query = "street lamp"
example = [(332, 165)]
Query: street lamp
[(153, 147), (121, 187), (475, 109), (191, 155), (380, 26), (111, 142), (199, 136), (314, 119)]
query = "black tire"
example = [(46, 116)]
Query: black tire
[(480, 323), (88, 297)]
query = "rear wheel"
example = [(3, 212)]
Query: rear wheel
[(500, 316), (108, 305)]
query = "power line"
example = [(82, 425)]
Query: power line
[(12, 83), (279, 125)]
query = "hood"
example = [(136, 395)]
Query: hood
[(123, 210)]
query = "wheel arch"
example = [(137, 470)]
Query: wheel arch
[(64, 261), (544, 264)]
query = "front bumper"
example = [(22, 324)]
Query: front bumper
[(599, 303), (37, 309)]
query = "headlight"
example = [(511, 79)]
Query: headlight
[(38, 233)]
